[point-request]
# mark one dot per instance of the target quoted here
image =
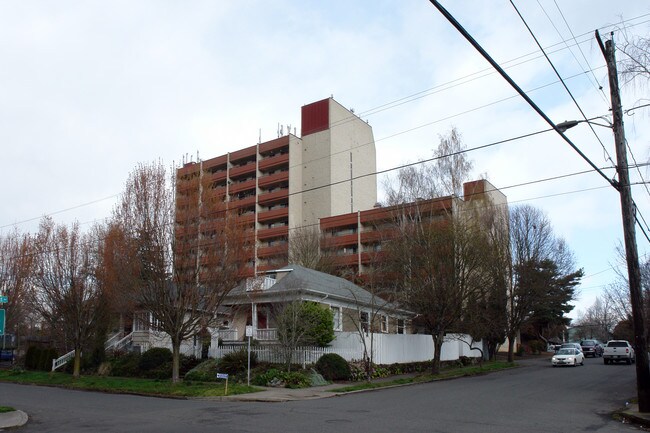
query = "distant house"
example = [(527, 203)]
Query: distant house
[(256, 302)]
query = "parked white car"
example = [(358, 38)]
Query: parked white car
[(568, 356)]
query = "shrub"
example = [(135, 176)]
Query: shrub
[(155, 358), (204, 372), (333, 367), (237, 362), (537, 346), (38, 358), (274, 377), (265, 379), (126, 365)]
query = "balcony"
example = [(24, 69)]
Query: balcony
[(247, 218), (340, 241), (266, 334), (273, 215), (242, 203), (250, 153), (339, 221), (217, 176), (273, 250), (373, 236), (219, 191), (243, 170), (372, 257), (274, 145), (218, 162), (227, 334), (188, 169), (242, 186), (272, 233), (273, 162), (270, 198), (347, 260), (274, 179)]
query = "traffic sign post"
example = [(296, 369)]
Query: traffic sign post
[(2, 322), (249, 334)]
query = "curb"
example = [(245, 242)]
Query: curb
[(14, 418), (632, 415)]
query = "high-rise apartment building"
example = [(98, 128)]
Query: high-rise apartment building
[(289, 182)]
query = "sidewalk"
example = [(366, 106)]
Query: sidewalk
[(277, 395), (286, 394), (15, 418)]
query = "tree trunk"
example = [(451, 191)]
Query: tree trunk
[(511, 348), (77, 363), (437, 348), (176, 352)]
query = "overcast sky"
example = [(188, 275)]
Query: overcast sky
[(88, 89)]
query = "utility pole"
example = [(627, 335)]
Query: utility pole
[(629, 231)]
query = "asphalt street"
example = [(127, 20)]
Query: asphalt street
[(533, 398)]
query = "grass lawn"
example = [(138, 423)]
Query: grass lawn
[(444, 374), (125, 385), (5, 409)]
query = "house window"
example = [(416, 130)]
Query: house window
[(337, 318), (383, 323), (363, 321), (401, 326)]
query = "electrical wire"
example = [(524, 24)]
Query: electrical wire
[(557, 73)]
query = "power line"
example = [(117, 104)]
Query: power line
[(523, 94), (562, 81), (597, 85)]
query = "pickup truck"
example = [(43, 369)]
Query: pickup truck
[(618, 350)]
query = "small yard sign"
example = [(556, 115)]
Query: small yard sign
[(224, 376)]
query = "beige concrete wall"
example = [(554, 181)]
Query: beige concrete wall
[(353, 155), (295, 182), (342, 152)]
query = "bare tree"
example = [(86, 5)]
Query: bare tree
[(189, 257), (15, 267), (598, 321), (440, 269), (305, 250), (444, 176), (451, 168), (369, 316), (543, 276), (64, 288), (634, 66)]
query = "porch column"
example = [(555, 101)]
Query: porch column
[(254, 318)]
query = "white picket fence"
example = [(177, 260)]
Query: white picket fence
[(386, 349)]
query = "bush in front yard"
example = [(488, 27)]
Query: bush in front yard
[(333, 367), (237, 362), (275, 377), (125, 365), (155, 358), (204, 372)]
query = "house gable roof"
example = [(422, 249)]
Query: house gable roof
[(302, 281)]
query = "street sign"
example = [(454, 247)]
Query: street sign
[(249, 331), (2, 322), (222, 375), (4, 299)]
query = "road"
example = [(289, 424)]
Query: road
[(533, 398)]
